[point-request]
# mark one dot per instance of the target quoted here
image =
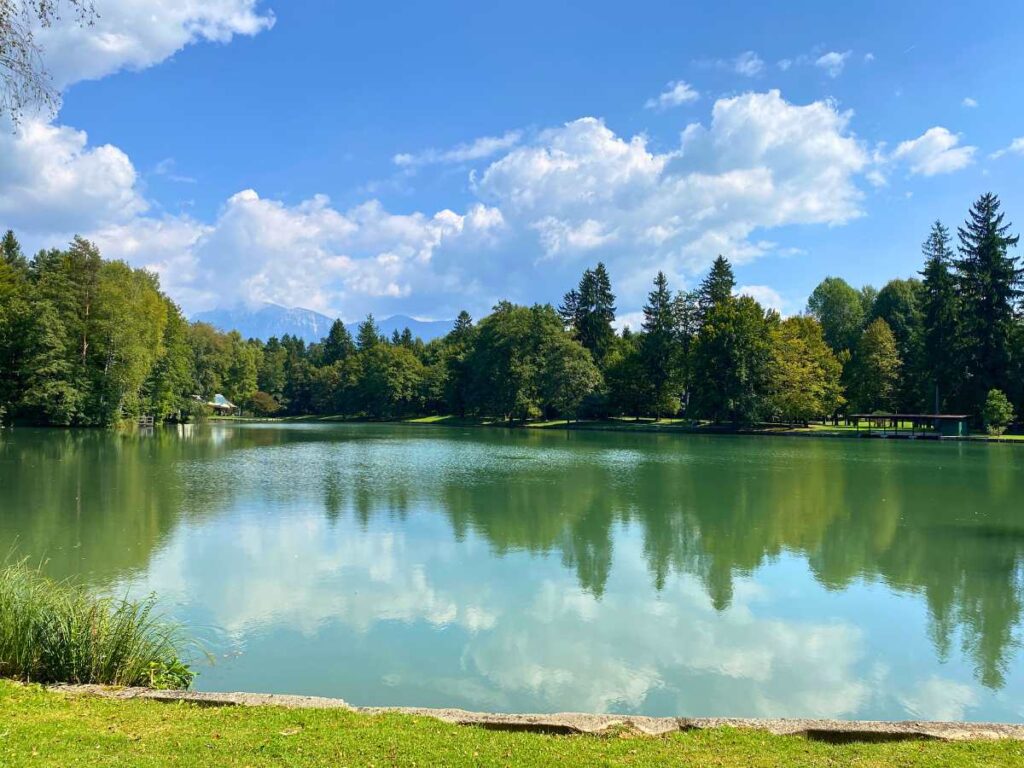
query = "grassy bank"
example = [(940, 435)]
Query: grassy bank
[(54, 631), (44, 728)]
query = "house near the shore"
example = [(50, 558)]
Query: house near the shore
[(223, 407)]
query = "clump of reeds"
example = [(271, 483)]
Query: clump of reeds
[(60, 631)]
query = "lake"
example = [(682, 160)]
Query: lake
[(544, 571)]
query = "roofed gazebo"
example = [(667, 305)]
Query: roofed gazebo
[(921, 424)]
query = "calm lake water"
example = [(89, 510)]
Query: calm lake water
[(548, 571)]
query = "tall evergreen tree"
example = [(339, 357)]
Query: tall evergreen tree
[(458, 378), (989, 281), (598, 304), (659, 352), (338, 345), (368, 334), (940, 317), (463, 326), (588, 311), (569, 309), (716, 287), (10, 249)]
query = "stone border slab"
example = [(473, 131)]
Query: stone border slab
[(575, 723)]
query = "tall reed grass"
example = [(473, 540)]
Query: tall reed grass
[(60, 631)]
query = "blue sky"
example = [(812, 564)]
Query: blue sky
[(421, 158)]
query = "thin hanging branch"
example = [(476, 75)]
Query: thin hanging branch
[(24, 79)]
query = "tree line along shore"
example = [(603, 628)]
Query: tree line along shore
[(85, 341)]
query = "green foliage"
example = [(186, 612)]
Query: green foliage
[(805, 372), (660, 351), (876, 369), (840, 310), (717, 286), (338, 345), (940, 322), (368, 334), (10, 252), (569, 376), (628, 390), (989, 283), (390, 383), (61, 632), (589, 311), (898, 303), (241, 375), (732, 362), (506, 363), (263, 404), (997, 413)]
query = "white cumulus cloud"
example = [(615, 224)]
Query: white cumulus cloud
[(936, 151), (567, 195), (52, 181), (135, 34), (675, 94)]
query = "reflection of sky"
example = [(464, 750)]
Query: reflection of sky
[(398, 612), (553, 571)]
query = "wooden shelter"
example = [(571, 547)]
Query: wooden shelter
[(921, 424), (222, 406)]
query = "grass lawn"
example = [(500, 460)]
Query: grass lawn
[(42, 728)]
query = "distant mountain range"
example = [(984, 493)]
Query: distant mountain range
[(268, 320)]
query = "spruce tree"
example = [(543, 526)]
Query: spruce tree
[(569, 310), (659, 351), (10, 249), (940, 316), (458, 345), (717, 287), (989, 283), (368, 334), (338, 345), (588, 312), (597, 312), (463, 327)]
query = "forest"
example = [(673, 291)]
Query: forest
[(86, 341)]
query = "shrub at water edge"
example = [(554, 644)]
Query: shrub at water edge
[(60, 631)]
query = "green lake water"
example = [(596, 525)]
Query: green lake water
[(550, 571)]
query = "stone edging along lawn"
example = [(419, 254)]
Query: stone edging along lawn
[(836, 731)]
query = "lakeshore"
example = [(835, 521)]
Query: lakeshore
[(645, 425), (49, 728)]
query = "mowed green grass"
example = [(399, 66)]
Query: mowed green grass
[(45, 728)]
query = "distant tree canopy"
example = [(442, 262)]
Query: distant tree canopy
[(88, 341)]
